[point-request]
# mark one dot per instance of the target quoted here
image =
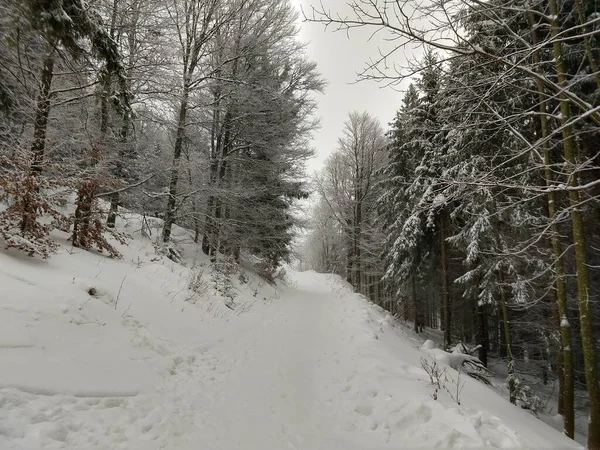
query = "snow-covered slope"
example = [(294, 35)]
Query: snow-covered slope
[(146, 363)]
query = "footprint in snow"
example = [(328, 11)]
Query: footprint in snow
[(364, 409), (372, 393)]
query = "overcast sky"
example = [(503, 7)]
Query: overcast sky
[(339, 58)]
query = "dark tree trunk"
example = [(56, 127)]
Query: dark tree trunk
[(510, 362), (218, 166), (483, 333), (446, 307), (586, 319), (170, 211), (371, 288), (357, 245), (88, 189), (83, 215), (349, 253), (566, 376), (42, 111), (115, 198), (123, 153), (415, 302)]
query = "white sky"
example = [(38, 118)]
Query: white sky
[(340, 57)]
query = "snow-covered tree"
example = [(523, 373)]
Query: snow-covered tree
[(347, 185)]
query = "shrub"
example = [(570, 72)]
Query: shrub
[(29, 215)]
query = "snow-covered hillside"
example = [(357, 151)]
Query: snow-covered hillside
[(104, 354)]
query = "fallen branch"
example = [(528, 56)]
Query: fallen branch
[(119, 293), (126, 188)]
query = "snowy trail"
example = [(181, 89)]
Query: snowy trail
[(262, 381), (321, 370), (317, 368), (267, 386)]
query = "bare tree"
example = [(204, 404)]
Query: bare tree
[(347, 185), (196, 23)]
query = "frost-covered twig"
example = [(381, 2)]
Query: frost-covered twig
[(119, 293)]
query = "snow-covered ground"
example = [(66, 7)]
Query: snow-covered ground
[(146, 363)]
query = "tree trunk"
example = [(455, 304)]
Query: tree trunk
[(123, 135), (115, 198), (585, 311), (209, 238), (216, 237), (170, 211), (561, 388), (194, 206), (502, 351), (415, 301), (587, 43), (349, 253), (510, 362), (212, 225), (42, 111), (87, 190), (445, 291), (357, 245), (483, 333), (494, 318), (425, 322), (220, 136), (80, 236), (566, 377)]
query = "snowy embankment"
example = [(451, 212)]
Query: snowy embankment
[(146, 363)]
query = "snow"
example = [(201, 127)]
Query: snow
[(428, 345), (439, 201), (145, 363)]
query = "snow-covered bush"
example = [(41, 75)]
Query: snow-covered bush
[(525, 397), (441, 379), (459, 360), (89, 220), (222, 273), (267, 271), (32, 207), (197, 284), (27, 214)]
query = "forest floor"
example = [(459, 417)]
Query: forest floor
[(145, 353)]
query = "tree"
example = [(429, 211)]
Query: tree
[(196, 23), (348, 186), (49, 28), (423, 210), (261, 117)]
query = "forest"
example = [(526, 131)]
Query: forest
[(475, 211), (197, 112)]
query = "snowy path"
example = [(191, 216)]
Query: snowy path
[(270, 386), (317, 368), (270, 380)]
